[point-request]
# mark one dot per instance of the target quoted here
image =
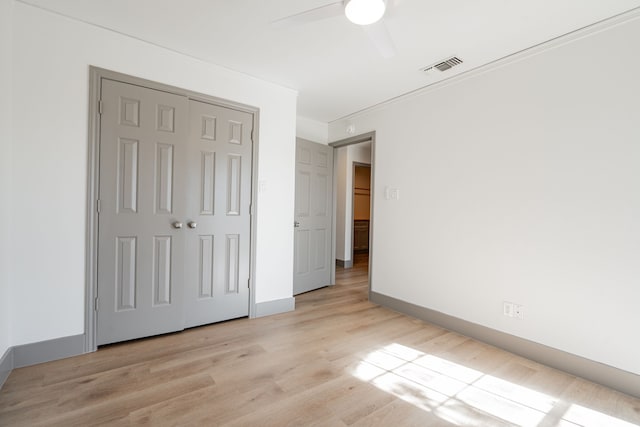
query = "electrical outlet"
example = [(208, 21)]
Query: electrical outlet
[(511, 309), (518, 311)]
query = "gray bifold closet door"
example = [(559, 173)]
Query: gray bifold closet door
[(175, 188), (219, 203)]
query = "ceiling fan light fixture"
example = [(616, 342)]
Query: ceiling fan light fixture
[(364, 12)]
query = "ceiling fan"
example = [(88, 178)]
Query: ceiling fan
[(369, 14)]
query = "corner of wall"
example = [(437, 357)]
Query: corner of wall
[(39, 352), (6, 170), (269, 308), (312, 130), (6, 365)]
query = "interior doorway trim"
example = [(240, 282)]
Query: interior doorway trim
[(357, 139), (96, 76)]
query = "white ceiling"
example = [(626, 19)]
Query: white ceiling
[(332, 64)]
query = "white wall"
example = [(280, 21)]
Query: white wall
[(312, 130), (529, 191), (6, 37), (360, 153), (51, 58)]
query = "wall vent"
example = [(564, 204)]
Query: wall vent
[(445, 65)]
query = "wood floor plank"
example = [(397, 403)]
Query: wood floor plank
[(337, 360)]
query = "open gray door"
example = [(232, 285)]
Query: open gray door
[(313, 215), (141, 241)]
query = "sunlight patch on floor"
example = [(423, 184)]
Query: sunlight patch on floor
[(580, 416), (465, 396)]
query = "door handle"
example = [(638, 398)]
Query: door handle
[(296, 224), (192, 224), (177, 225)]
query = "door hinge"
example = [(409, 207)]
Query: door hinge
[(248, 283), (100, 106), (95, 304), (98, 205)]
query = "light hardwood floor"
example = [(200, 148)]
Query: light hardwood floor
[(337, 360)]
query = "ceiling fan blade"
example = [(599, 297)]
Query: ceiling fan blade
[(323, 12), (381, 39)]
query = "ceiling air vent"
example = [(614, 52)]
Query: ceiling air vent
[(443, 65)]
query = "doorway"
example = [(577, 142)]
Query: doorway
[(361, 208), (354, 196)]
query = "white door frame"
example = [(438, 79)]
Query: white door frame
[(365, 137), (93, 173)]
